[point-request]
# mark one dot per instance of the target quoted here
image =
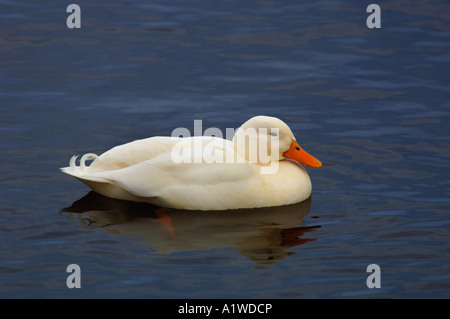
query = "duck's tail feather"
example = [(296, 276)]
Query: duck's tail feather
[(82, 171), (84, 158)]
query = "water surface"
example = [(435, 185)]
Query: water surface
[(371, 104)]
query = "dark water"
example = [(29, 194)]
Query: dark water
[(371, 104)]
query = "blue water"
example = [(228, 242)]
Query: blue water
[(371, 104)]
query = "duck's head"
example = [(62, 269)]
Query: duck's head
[(263, 139)]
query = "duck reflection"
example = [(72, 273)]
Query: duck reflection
[(263, 235)]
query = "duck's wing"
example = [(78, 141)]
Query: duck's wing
[(120, 156), (132, 153), (180, 182)]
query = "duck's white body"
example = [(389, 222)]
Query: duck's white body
[(147, 171)]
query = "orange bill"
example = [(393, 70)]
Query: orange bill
[(296, 153)]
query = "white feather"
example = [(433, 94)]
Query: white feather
[(146, 170)]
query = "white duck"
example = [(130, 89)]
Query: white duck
[(204, 172)]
